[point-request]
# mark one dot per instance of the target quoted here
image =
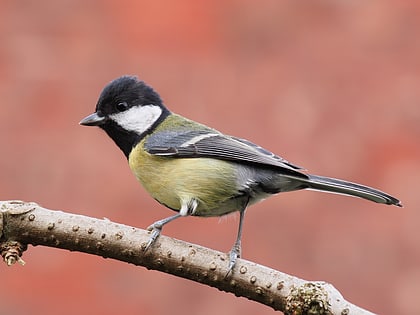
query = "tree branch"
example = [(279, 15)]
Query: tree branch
[(23, 223)]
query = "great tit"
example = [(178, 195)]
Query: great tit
[(194, 169)]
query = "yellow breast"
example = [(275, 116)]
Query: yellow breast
[(173, 181)]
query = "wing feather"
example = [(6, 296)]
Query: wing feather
[(194, 144)]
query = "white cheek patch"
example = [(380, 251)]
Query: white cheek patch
[(138, 118)]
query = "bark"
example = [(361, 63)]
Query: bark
[(24, 223)]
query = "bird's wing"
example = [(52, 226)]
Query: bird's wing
[(210, 143)]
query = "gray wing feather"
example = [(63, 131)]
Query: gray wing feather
[(193, 144)]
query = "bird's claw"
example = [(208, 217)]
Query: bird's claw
[(234, 254), (155, 232)]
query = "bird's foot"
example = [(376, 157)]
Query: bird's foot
[(234, 254), (155, 230)]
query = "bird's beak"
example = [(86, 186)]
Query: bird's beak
[(93, 120)]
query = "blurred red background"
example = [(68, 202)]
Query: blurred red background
[(330, 85)]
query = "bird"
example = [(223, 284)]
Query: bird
[(196, 170)]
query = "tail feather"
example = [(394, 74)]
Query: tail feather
[(339, 186)]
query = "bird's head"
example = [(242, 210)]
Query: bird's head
[(127, 109)]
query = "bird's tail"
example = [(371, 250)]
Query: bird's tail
[(339, 186)]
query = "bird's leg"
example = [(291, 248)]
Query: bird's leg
[(156, 229), (235, 252), (188, 207)]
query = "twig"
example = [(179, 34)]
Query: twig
[(23, 223)]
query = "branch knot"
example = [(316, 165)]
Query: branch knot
[(11, 251)]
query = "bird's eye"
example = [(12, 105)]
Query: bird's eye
[(121, 106)]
